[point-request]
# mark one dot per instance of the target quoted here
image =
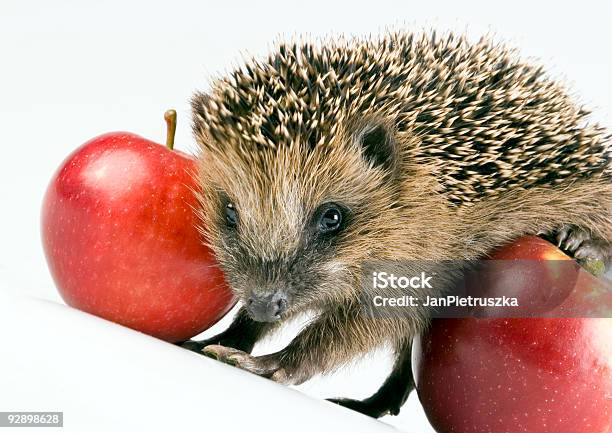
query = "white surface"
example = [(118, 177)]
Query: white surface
[(116, 379), (73, 69)]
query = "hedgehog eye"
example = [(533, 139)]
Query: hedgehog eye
[(231, 216), (330, 218)]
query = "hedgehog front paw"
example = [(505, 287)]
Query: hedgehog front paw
[(582, 245), (238, 358), (268, 366)]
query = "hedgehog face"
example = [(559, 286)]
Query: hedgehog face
[(291, 226)]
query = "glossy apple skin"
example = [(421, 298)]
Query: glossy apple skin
[(119, 233), (499, 375), (546, 281)]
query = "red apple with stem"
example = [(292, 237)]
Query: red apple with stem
[(545, 374), (121, 237)]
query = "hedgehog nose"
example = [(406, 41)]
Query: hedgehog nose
[(268, 307)]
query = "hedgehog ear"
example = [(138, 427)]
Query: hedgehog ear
[(378, 145)]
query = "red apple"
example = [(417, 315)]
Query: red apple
[(120, 235), (507, 375), (546, 282)]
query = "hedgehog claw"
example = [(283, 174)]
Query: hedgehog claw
[(570, 238), (562, 235)]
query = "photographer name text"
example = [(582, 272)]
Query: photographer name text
[(383, 280)]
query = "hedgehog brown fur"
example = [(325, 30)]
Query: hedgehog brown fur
[(433, 147)]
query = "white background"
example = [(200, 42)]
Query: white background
[(70, 70)]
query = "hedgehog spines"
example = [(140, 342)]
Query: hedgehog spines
[(486, 121)]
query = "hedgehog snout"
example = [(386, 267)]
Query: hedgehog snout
[(267, 307)]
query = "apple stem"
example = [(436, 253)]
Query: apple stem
[(170, 117)]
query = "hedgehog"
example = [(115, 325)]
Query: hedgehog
[(327, 154)]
